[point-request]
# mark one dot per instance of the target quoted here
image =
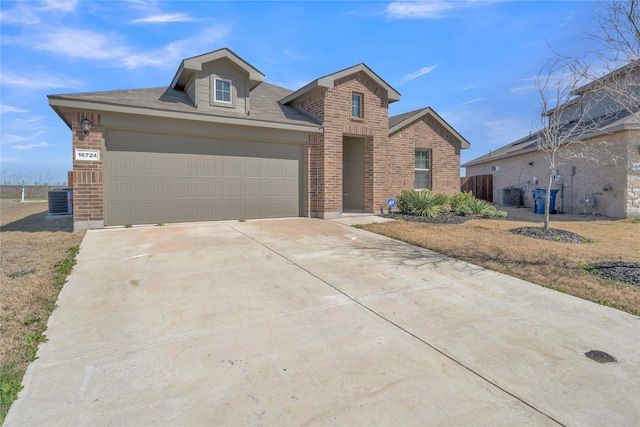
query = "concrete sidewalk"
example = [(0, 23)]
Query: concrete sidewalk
[(304, 321)]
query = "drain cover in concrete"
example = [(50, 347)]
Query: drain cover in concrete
[(600, 356)]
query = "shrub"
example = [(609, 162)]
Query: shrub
[(463, 211), (458, 202), (426, 203), (480, 207), (423, 203)]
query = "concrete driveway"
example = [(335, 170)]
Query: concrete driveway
[(303, 321)]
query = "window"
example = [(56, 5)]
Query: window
[(356, 105), (223, 90), (423, 170), (495, 168)]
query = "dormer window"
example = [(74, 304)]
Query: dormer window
[(223, 90), (356, 105)]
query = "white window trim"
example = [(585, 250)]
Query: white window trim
[(215, 91), (360, 106), (423, 169)]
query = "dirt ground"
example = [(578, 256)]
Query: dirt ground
[(30, 246), (556, 265)]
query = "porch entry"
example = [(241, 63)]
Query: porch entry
[(352, 174)]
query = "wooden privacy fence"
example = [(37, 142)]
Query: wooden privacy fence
[(480, 185)]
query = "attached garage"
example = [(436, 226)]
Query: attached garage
[(163, 178)]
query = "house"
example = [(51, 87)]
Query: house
[(221, 143), (597, 174)]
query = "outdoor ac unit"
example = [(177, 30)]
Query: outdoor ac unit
[(61, 201)]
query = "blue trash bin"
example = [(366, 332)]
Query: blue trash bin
[(539, 204), (539, 198), (552, 200), (538, 201)]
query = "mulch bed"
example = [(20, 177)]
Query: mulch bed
[(448, 218), (620, 271), (550, 234)]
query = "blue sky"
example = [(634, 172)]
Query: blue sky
[(473, 62)]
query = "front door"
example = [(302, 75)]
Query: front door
[(353, 174)]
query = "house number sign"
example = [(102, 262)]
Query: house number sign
[(91, 155)]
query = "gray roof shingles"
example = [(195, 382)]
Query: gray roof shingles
[(529, 143), (264, 105)]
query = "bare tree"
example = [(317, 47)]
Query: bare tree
[(579, 95), (613, 65), (565, 114)]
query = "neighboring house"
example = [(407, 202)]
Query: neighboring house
[(598, 174), (220, 143)]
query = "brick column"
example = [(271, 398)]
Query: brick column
[(88, 191)]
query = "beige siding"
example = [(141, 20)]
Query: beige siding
[(190, 89), (224, 69), (602, 172)]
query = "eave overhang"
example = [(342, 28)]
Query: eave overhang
[(430, 112), (328, 82), (60, 103), (190, 66)]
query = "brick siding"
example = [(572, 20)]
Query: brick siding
[(333, 106), (603, 169), (425, 133), (88, 192)]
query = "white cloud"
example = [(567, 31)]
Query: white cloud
[(416, 74), (16, 139), (172, 53), (4, 109), (473, 101), (38, 81), (93, 45), (164, 18), (504, 131), (528, 86), (62, 6), (29, 13), (21, 15), (31, 146), (109, 49), (418, 10)]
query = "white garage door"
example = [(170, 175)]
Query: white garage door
[(208, 180)]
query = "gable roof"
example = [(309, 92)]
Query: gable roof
[(401, 120), (172, 103), (618, 121), (329, 82), (626, 70), (188, 67)]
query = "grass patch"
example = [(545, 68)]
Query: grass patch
[(36, 324), (556, 288), (10, 386), (587, 267), (21, 273)]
